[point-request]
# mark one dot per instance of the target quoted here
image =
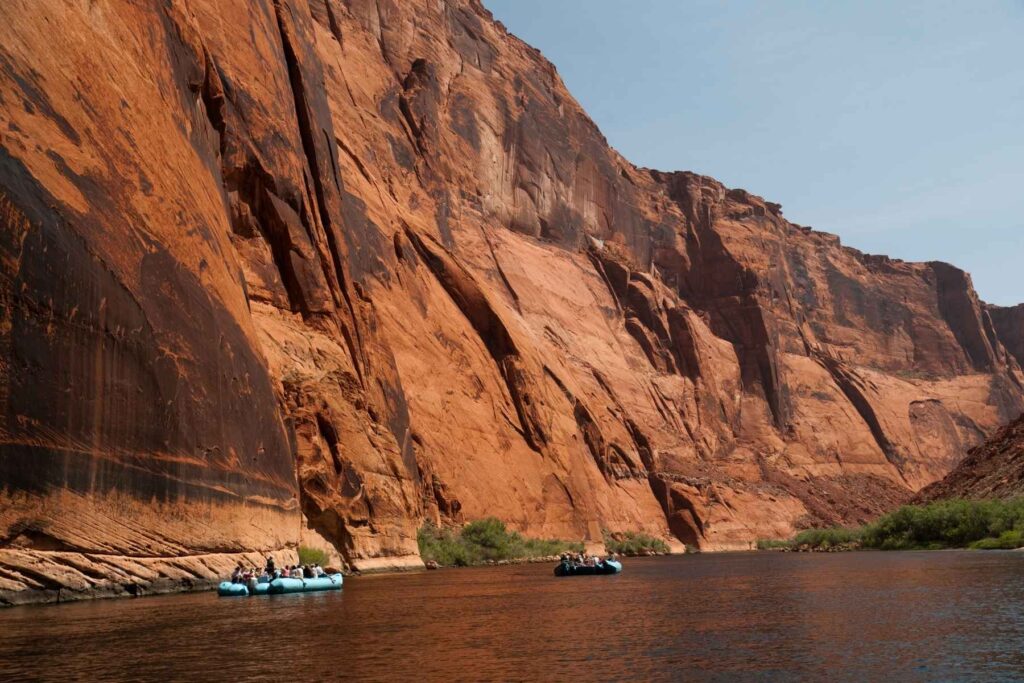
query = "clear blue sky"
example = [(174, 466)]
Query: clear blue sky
[(897, 125)]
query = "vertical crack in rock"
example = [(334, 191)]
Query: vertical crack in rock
[(501, 271), (473, 303), (319, 161), (721, 285), (851, 386), (682, 515), (611, 459)]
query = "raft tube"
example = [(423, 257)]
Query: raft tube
[(324, 583), (226, 589), (606, 567)]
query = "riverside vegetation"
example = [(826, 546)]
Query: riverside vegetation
[(312, 556), (488, 540), (483, 541), (633, 544), (977, 524)]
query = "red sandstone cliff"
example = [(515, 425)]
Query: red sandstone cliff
[(278, 269)]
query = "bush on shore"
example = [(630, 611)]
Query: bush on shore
[(831, 538), (632, 544), (1008, 540), (826, 539), (949, 524), (312, 556), (482, 541), (979, 524)]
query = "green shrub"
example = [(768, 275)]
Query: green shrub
[(442, 546), (1008, 540), (949, 524), (312, 556), (773, 544), (981, 524), (631, 543), (482, 541), (825, 539)]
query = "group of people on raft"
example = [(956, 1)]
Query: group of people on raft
[(584, 560), (271, 572)]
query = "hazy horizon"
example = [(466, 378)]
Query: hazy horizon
[(896, 127)]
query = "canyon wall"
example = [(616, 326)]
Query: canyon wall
[(283, 271)]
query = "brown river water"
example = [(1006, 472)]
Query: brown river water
[(750, 616)]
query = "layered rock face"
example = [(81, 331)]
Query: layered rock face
[(275, 270)]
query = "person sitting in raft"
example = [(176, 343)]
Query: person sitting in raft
[(296, 572), (236, 576)]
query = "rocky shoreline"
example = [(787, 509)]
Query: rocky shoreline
[(30, 577)]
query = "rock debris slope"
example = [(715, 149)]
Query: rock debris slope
[(276, 270), (994, 469)]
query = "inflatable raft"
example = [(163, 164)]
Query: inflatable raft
[(238, 590), (323, 583), (606, 567)]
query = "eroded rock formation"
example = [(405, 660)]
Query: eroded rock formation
[(1009, 328), (278, 269)]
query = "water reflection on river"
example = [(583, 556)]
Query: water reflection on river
[(858, 616)]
